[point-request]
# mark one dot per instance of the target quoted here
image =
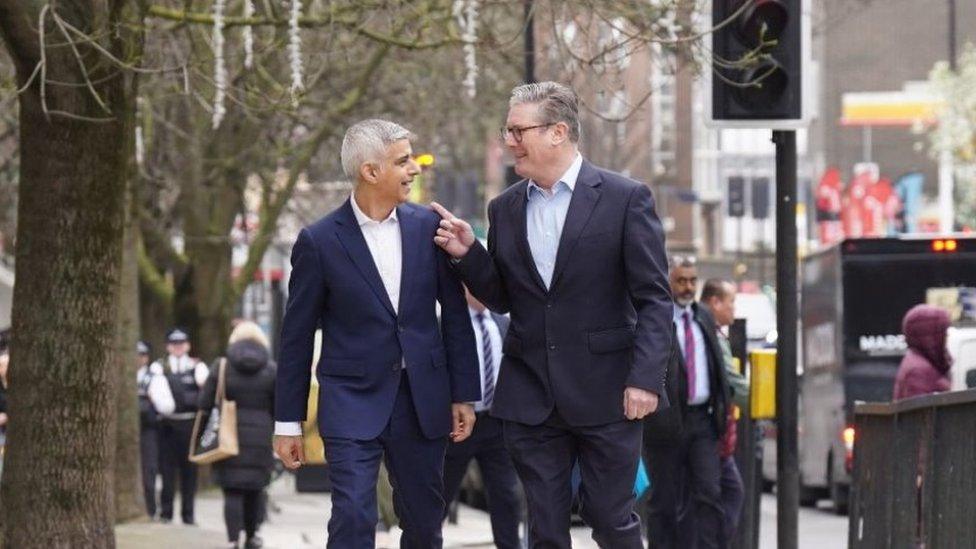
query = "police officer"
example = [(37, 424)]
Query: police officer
[(155, 399), (186, 376)]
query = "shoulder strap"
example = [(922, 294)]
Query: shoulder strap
[(220, 380)]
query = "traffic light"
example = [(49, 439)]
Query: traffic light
[(737, 196), (756, 64)]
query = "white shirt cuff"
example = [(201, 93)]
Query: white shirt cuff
[(288, 428)]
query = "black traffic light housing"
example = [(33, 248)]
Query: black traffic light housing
[(756, 60)]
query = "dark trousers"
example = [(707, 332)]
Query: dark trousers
[(544, 456), (733, 495), (242, 511), (487, 447), (175, 441), (685, 508), (149, 458), (415, 464)]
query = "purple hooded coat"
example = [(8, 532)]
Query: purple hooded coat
[(925, 367)]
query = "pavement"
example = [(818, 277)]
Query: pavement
[(296, 521)]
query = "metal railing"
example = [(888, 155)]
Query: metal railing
[(915, 473)]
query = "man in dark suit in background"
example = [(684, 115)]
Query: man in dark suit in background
[(393, 384), (576, 254), (486, 445), (682, 445)]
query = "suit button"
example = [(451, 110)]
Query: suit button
[(552, 347), (548, 305), (396, 366), (400, 329)]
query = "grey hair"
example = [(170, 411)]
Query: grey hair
[(557, 103), (366, 141)]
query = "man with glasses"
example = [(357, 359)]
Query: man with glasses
[(576, 255)]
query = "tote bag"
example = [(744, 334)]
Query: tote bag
[(217, 439)]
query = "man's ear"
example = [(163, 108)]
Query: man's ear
[(368, 172), (560, 133)]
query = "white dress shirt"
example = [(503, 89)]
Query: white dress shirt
[(702, 389), (496, 351), (386, 247)]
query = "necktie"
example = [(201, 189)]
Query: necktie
[(689, 355), (489, 361)]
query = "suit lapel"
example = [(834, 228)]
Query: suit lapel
[(410, 239), (585, 196), (520, 222), (352, 239)]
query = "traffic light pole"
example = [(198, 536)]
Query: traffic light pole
[(529, 51), (787, 463)]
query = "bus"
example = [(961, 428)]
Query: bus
[(853, 297)]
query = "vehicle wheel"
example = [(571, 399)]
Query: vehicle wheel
[(808, 496), (840, 495)]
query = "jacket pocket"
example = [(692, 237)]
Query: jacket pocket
[(342, 367), (438, 357), (612, 340), (512, 346)]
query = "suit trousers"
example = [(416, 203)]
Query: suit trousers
[(487, 447), (415, 464), (685, 509), (608, 454)]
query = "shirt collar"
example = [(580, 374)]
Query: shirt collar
[(364, 219), (568, 178), (679, 311)]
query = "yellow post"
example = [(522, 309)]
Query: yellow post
[(762, 391)]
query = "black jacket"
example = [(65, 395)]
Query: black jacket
[(665, 427), (250, 380)]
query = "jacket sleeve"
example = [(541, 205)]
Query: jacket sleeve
[(306, 296), (480, 273), (457, 334), (645, 265)]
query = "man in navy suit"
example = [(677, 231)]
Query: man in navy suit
[(393, 383), (576, 255)]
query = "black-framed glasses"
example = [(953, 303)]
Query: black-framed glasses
[(516, 132)]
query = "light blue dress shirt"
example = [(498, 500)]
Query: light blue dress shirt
[(545, 216), (702, 391)]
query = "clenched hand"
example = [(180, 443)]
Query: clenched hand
[(463, 414), (638, 403), (290, 450)]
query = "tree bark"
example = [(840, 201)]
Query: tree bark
[(57, 482), (129, 501)]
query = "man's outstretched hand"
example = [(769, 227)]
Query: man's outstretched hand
[(454, 235)]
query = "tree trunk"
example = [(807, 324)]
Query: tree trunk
[(57, 482), (129, 501)]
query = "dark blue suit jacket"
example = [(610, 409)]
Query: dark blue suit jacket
[(335, 285), (604, 324)]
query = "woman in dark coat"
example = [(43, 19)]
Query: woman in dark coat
[(249, 379), (925, 368)]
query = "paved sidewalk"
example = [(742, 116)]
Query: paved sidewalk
[(296, 521)]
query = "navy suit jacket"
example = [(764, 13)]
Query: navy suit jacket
[(335, 285), (605, 323)]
